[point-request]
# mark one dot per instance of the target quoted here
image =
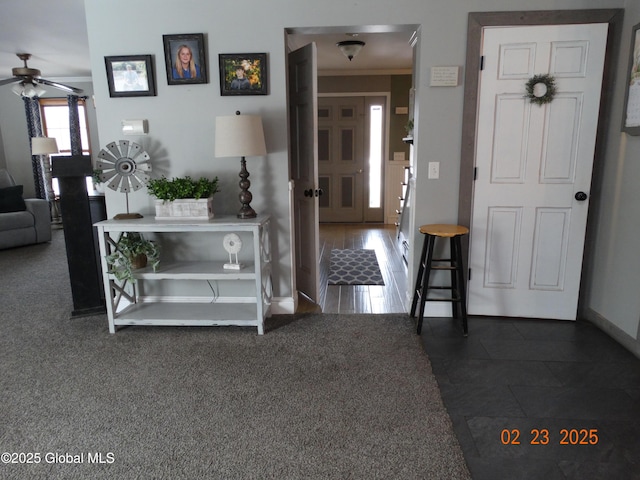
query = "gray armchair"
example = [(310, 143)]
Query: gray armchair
[(22, 221)]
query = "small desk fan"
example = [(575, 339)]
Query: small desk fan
[(124, 166)]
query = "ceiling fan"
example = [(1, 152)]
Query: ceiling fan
[(28, 80)]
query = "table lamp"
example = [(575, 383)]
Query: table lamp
[(241, 136), (45, 146)]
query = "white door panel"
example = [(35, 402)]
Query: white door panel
[(527, 235)]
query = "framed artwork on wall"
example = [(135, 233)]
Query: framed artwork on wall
[(130, 76), (243, 74), (185, 58), (631, 119)]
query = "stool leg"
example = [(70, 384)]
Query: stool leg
[(416, 291), (454, 276), (431, 240), (463, 292)]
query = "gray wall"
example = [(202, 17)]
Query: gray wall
[(181, 119)]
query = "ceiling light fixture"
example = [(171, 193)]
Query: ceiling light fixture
[(350, 48), (28, 89)]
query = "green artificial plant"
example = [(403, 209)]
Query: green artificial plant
[(129, 246), (182, 187)]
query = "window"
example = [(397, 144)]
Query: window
[(55, 124), (376, 131)]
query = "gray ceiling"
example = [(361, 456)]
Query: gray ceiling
[(55, 33)]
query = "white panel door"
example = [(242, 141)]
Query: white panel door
[(528, 223), (303, 128)]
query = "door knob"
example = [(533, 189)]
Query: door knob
[(308, 193), (360, 170), (319, 192), (581, 196)]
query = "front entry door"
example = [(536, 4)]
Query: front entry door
[(534, 165), (341, 165)]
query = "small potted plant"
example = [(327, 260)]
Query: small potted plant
[(98, 186), (183, 197), (132, 251)]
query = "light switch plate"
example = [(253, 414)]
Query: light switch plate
[(434, 170)]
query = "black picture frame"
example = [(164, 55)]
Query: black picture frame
[(254, 79), (130, 76), (631, 116), (194, 42)]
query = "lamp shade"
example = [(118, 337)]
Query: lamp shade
[(43, 145), (239, 136)]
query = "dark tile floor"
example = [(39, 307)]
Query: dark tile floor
[(538, 399)]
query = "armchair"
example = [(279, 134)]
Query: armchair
[(22, 221)]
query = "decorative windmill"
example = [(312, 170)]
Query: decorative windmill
[(124, 166)]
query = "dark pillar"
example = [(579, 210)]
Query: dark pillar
[(84, 273)]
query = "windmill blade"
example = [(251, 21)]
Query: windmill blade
[(113, 148), (7, 81), (59, 86), (124, 148), (135, 183), (107, 176)]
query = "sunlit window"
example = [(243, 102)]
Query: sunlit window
[(375, 157), (55, 124)]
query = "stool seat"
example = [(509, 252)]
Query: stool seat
[(443, 230), (453, 264)]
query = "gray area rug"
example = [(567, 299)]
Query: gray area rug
[(354, 267), (318, 396)]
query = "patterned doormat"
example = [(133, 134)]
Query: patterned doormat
[(354, 267)]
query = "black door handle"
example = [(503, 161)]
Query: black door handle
[(308, 193), (319, 192), (581, 196)]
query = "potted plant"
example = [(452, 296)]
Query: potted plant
[(132, 251), (98, 186), (183, 197)]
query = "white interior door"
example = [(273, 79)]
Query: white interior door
[(303, 125), (528, 219)]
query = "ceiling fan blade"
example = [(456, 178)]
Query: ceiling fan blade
[(60, 86), (6, 81)]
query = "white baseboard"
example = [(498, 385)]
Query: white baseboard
[(283, 306)]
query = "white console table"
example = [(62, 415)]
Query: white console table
[(125, 306)]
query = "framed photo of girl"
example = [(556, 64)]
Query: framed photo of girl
[(631, 119), (243, 74), (130, 76), (185, 58)]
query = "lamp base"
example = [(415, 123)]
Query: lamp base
[(247, 212)]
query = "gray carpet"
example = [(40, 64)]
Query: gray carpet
[(318, 396)]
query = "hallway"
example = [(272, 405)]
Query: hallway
[(361, 298)]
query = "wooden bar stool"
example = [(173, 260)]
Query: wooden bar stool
[(458, 293)]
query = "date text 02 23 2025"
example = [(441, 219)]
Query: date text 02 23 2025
[(542, 436)]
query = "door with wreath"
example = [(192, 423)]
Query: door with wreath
[(534, 158)]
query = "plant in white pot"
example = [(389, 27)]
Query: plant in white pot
[(183, 197), (132, 252)]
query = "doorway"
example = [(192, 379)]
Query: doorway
[(324, 39)]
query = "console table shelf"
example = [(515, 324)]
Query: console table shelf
[(251, 285)]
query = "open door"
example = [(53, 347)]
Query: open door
[(303, 132)]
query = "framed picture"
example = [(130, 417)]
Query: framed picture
[(185, 58), (243, 74), (631, 120), (130, 76)]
